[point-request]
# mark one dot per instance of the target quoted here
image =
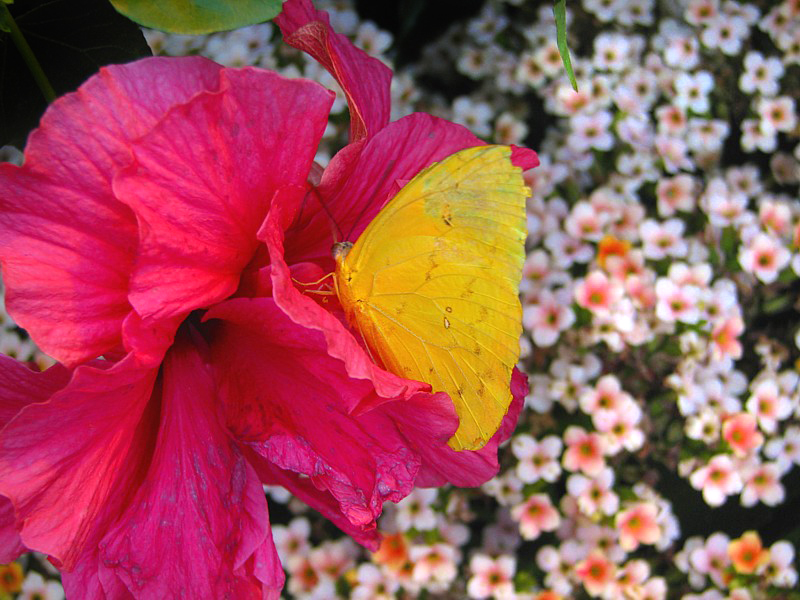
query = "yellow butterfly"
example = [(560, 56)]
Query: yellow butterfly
[(432, 284)]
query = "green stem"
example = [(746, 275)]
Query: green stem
[(27, 54)]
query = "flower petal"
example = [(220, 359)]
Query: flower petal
[(84, 449), (198, 526), (11, 545), (365, 80), (321, 501), (202, 181), (66, 245), (291, 402), (306, 312), (19, 387), (442, 464), (361, 178)]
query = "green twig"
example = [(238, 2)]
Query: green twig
[(8, 23)]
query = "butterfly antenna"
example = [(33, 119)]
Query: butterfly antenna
[(336, 231), (366, 205)]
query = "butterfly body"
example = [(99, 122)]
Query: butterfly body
[(432, 284)]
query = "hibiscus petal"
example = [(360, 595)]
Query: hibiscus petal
[(304, 311), (321, 501), (19, 387), (66, 245), (198, 526), (524, 158), (202, 181), (442, 464), (84, 449), (11, 545), (291, 401), (360, 179), (365, 80)]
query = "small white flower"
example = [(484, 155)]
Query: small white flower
[(765, 257), (757, 135), (692, 90), (611, 51), (473, 115), (777, 114), (760, 74), (725, 32), (591, 131)]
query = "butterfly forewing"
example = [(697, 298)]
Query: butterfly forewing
[(435, 276)]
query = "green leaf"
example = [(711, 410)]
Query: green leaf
[(198, 16), (70, 40), (560, 13)]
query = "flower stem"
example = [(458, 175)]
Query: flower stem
[(8, 23)]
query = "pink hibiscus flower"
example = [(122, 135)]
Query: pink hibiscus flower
[(149, 243)]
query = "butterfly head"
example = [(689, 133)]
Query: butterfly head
[(340, 250)]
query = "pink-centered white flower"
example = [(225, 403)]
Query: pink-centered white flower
[(492, 577), (785, 449), (292, 539), (779, 570), (619, 427), (777, 114), (637, 524), (372, 583), (675, 193), (585, 451), (677, 302), (682, 50), (671, 120), (692, 91), (307, 580), (701, 12), (775, 215), (597, 293), (591, 131), (538, 459), (558, 564), (758, 134), (535, 515), (725, 32), (769, 404), (717, 480), (723, 205), (606, 395), (741, 432), (594, 495), (546, 318), (506, 488), (416, 510), (435, 566), (662, 239), (674, 151), (585, 222), (762, 483), (760, 74), (764, 256), (712, 558), (597, 573), (706, 135), (612, 51)]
